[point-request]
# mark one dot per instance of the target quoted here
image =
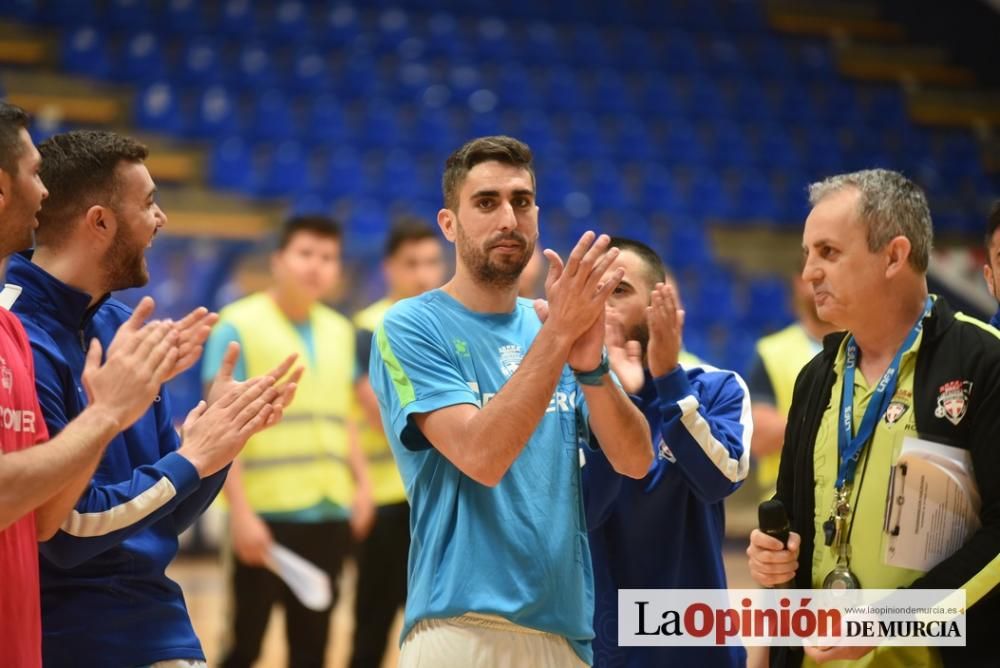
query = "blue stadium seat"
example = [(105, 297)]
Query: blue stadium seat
[(25, 11), (69, 13), (432, 132), (366, 226), (755, 199), (814, 61), (635, 49), (766, 296), (182, 18), (158, 109), (141, 59), (356, 79), (775, 150), (583, 137), (325, 124), (380, 128), (285, 172), (747, 102), (707, 197), (687, 246), (216, 114), (404, 178), (605, 187), (681, 145), (394, 28), (128, 15), (442, 38), (83, 50), (340, 176), (771, 59), (200, 63), (290, 22), (610, 94), (563, 92), (482, 125), (494, 42), (236, 19), (659, 193), (311, 203), (271, 118), (539, 43), (340, 26), (729, 146), (588, 47), (632, 140), (230, 166), (255, 69), (887, 109), (679, 53), (704, 101), (309, 72), (725, 58)]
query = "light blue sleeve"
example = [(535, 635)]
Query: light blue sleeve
[(215, 349), (412, 371)]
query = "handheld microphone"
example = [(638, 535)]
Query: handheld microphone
[(773, 520)]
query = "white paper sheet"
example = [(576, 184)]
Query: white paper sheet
[(933, 505)]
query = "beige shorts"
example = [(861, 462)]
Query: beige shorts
[(475, 640)]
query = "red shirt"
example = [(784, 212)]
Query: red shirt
[(21, 426)]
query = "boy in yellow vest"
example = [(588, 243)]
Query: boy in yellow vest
[(779, 358), (413, 264), (302, 485)]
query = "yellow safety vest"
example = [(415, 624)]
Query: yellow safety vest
[(303, 460), (387, 485), (784, 354)]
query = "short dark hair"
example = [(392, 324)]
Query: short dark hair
[(12, 120), (992, 223), (499, 148), (79, 170), (655, 267), (319, 225), (407, 230)]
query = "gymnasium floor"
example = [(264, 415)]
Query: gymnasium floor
[(204, 590)]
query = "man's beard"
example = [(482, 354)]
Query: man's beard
[(485, 271), (639, 333), (123, 263)]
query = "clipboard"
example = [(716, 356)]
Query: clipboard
[(932, 505)]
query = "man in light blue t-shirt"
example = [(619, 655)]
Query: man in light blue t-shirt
[(484, 407)]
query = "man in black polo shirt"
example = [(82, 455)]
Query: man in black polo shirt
[(867, 243)]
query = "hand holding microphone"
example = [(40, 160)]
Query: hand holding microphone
[(774, 550)]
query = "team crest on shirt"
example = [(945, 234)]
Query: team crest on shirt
[(953, 400), (663, 452), (894, 411), (510, 359), (6, 376)]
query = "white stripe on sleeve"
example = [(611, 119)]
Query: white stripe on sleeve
[(734, 470), (90, 525)]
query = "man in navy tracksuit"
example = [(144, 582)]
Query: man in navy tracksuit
[(666, 529), (106, 600)]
